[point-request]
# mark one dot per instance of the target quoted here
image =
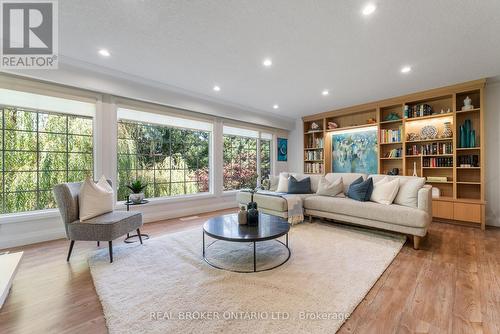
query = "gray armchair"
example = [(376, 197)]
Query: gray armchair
[(106, 227)]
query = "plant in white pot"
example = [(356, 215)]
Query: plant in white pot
[(137, 196)]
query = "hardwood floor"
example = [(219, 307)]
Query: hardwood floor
[(451, 285)]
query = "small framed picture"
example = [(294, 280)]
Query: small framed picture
[(282, 149)]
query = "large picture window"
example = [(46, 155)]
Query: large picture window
[(241, 157), (172, 160), (39, 150)]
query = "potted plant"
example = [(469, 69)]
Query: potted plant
[(137, 186)]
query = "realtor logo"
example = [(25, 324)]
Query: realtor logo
[(29, 34)]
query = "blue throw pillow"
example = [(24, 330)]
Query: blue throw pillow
[(361, 190), (299, 187)]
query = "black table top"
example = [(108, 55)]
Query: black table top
[(227, 228)]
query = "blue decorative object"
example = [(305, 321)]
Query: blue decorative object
[(355, 151), (472, 138), (361, 191), (282, 149), (462, 136)]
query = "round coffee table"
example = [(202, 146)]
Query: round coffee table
[(227, 228)]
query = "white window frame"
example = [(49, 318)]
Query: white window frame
[(151, 116), (44, 100), (248, 132)]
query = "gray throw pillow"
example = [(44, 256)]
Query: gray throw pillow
[(299, 187), (327, 188)]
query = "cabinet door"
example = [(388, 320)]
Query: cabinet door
[(442, 209), (467, 212)]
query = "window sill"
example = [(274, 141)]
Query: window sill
[(10, 218), (167, 200)]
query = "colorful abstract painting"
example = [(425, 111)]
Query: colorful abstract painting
[(355, 151)]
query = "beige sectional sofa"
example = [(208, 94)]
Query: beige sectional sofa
[(411, 216)]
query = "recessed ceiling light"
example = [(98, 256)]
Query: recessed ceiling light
[(216, 88), (325, 92), (104, 53), (405, 69), (369, 9), (276, 106), (267, 62)]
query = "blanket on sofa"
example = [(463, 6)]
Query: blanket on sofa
[(294, 203)]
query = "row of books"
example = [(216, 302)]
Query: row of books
[(394, 153), (438, 162), (313, 155), (315, 143), (314, 168), (390, 135), (430, 149)]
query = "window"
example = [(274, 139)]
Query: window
[(241, 156), (40, 149), (159, 150)]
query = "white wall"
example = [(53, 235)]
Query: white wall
[(492, 123), (27, 229), (296, 148)]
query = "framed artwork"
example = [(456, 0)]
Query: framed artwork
[(282, 149), (355, 151)]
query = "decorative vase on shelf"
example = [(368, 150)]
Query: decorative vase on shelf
[(472, 142), (447, 132), (467, 104), (468, 128), (462, 136)]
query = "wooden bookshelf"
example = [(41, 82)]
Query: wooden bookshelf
[(462, 194)]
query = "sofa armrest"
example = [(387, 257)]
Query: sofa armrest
[(425, 199)]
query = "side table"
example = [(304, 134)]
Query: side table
[(134, 237)]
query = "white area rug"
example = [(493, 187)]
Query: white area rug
[(165, 286)]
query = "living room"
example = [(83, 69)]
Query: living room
[(269, 167)]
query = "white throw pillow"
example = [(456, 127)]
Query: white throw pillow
[(327, 188), (408, 191), (384, 191), (95, 199), (273, 180), (283, 183)]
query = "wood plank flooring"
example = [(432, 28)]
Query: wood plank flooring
[(451, 285)]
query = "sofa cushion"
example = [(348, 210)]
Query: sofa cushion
[(396, 214), (347, 178), (283, 183), (299, 187), (384, 191), (361, 190), (326, 188), (408, 188), (273, 182)]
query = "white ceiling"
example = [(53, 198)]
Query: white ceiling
[(314, 45)]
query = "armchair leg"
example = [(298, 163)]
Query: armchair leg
[(70, 249), (139, 235), (110, 251), (98, 244)]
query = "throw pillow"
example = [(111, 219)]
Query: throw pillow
[(326, 188), (299, 187), (408, 191), (384, 191), (361, 191), (95, 199), (274, 180), (282, 183)]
